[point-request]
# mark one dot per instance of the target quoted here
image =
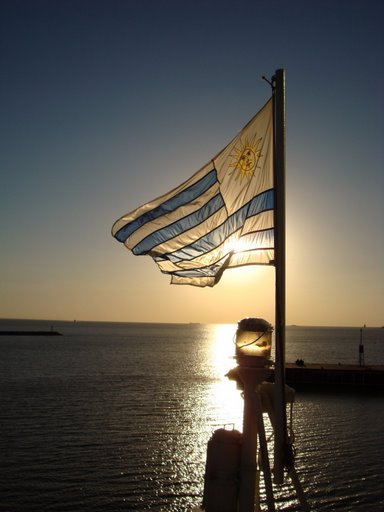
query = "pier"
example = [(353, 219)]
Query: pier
[(335, 377)]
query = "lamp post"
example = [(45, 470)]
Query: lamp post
[(253, 349)]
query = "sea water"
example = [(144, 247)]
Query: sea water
[(116, 417)]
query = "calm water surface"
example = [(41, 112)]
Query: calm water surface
[(116, 417)]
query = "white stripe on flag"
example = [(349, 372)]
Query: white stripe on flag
[(222, 217)]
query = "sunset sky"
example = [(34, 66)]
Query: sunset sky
[(107, 104)]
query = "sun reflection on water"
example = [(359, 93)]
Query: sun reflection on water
[(224, 398)]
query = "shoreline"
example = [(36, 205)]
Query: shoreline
[(30, 333)]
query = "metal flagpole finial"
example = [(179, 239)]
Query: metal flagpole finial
[(268, 81)]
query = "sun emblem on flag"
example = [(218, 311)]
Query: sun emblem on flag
[(246, 156)]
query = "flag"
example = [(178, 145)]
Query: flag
[(221, 218)]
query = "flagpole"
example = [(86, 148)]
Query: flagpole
[(278, 82)]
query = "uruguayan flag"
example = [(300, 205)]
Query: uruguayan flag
[(222, 217)]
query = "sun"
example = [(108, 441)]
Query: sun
[(246, 156), (237, 245)]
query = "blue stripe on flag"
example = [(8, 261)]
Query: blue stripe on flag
[(180, 226), (265, 236), (184, 197), (212, 269), (217, 236), (261, 203)]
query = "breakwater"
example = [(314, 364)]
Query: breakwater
[(335, 377)]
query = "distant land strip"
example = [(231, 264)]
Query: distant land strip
[(30, 333)]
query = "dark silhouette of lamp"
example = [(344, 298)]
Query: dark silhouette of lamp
[(253, 350)]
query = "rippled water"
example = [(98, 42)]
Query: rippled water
[(116, 417)]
